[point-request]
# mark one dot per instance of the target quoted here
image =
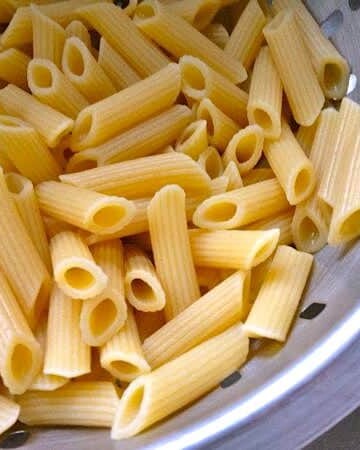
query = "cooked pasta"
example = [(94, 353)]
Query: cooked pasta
[(9, 410), (282, 222), (13, 67), (79, 30), (199, 13), (217, 34), (193, 140), (211, 162), (305, 137), (231, 171), (257, 175)]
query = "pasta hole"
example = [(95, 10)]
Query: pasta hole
[(332, 77), (213, 166), (220, 212), (21, 361), (302, 183), (42, 76), (145, 11), (109, 216), (125, 368), (84, 126), (193, 77), (264, 251), (245, 148), (263, 119), (79, 278), (188, 132), (133, 405), (308, 231), (142, 290), (205, 114), (102, 317), (15, 183), (75, 61), (351, 224)]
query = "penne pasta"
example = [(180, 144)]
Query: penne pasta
[(282, 222), (53, 226), (305, 137), (151, 397), (49, 123), (220, 185), (265, 96), (247, 36), (109, 117), (241, 206), (200, 81), (121, 74), (293, 64), (79, 403), (199, 13), (193, 140), (279, 296), (9, 410), (49, 85), (179, 38), (257, 175), (171, 249), (79, 30), (232, 173), (81, 161), (122, 355), (13, 67), (75, 270), (142, 285), (210, 161), (208, 278), (245, 148), (66, 355), (148, 322), (5, 163), (20, 357), (217, 34), (103, 316)]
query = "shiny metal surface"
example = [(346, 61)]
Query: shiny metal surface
[(286, 395)]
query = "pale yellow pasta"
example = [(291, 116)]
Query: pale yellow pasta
[(257, 175), (247, 36), (148, 322), (75, 270), (293, 64), (241, 206), (180, 38), (52, 125), (49, 85), (210, 161), (119, 112), (23, 194), (305, 137), (200, 81), (193, 140), (142, 285), (122, 355), (66, 355), (97, 372), (9, 410), (151, 397), (280, 294), (20, 356), (282, 221), (245, 148), (17, 255), (291, 166), (217, 34), (116, 67), (265, 96), (84, 72), (232, 249), (143, 176), (5, 162), (48, 37), (79, 30), (103, 316), (220, 127), (53, 226), (120, 32), (231, 171), (85, 160), (220, 185), (171, 248), (199, 13), (13, 67), (79, 403), (85, 209)]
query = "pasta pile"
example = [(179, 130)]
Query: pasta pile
[(144, 181)]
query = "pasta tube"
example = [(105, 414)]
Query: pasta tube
[(193, 140), (257, 175), (305, 137), (282, 222), (217, 34), (233, 175), (199, 13), (9, 412), (211, 162), (79, 30), (13, 67)]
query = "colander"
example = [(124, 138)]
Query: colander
[(286, 395)]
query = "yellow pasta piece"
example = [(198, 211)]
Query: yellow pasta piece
[(151, 397), (143, 176), (49, 85), (180, 38), (171, 249), (13, 67), (193, 140), (232, 249), (257, 175), (220, 128), (200, 81), (247, 36), (265, 96), (232, 173), (130, 8), (210, 161), (208, 278), (220, 185), (6, 11), (282, 222), (148, 322), (122, 355), (241, 206), (79, 30), (81, 161), (17, 255), (217, 34), (291, 166), (53, 226), (79, 403), (48, 37), (75, 270), (85, 209), (116, 67), (199, 13), (142, 285), (66, 354), (119, 112), (103, 316), (280, 294), (50, 124), (23, 194), (9, 410), (305, 137), (245, 148), (5, 163), (293, 64), (20, 358), (120, 32)]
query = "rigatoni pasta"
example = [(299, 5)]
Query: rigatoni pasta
[(13, 67)]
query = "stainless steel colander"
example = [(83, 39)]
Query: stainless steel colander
[(287, 395)]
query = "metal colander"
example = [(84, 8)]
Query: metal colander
[(286, 395)]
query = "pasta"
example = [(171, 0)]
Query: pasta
[(197, 12), (279, 296), (179, 38), (102, 316), (305, 137), (156, 398), (257, 175), (119, 112), (79, 30), (75, 270), (211, 162), (142, 285), (13, 67), (148, 322), (283, 222), (193, 140), (217, 33), (233, 175), (9, 409)]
